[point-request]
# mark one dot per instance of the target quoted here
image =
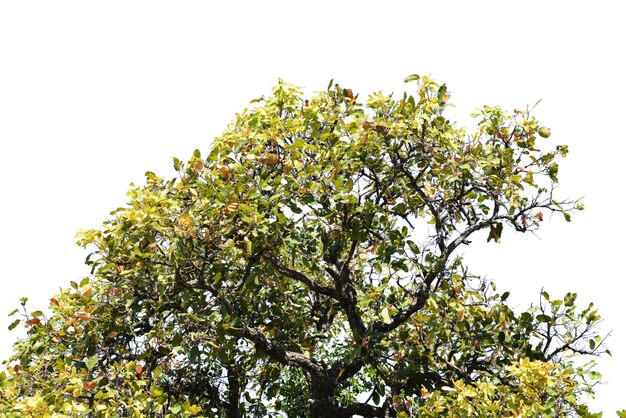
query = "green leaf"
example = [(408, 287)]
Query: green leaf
[(413, 246), (441, 92), (543, 132), (14, 324), (157, 391), (543, 318), (90, 362), (177, 163), (375, 397), (157, 372), (412, 77), (569, 299)]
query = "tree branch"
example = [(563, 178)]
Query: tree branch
[(276, 352), (304, 279)]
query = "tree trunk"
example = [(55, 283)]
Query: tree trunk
[(233, 393), (322, 396)]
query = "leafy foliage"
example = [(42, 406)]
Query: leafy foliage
[(307, 267)]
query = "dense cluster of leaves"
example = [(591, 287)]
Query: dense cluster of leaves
[(307, 267)]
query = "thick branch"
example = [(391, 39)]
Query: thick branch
[(304, 279), (418, 379), (362, 409), (275, 351)]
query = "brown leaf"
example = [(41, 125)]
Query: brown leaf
[(54, 301), (139, 368), (269, 159), (493, 233), (458, 290), (224, 169), (460, 315), (86, 292), (33, 321), (85, 316), (381, 129), (539, 216), (90, 385)]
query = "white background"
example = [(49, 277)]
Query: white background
[(93, 94)]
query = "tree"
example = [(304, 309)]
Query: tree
[(308, 267)]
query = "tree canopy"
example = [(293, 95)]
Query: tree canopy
[(308, 266)]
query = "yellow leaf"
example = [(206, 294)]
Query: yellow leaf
[(232, 207), (385, 315), (193, 409), (429, 189)]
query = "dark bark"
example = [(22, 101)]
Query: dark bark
[(234, 389), (322, 396)]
